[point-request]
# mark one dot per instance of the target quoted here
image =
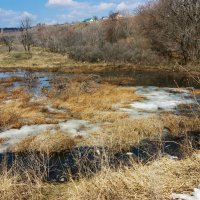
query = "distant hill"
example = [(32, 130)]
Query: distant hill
[(9, 30)]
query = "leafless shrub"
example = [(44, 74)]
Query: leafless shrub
[(8, 40), (26, 34)]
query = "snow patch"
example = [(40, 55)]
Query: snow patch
[(156, 100), (194, 196), (73, 127)]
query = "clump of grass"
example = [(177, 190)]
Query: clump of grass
[(119, 80), (9, 119), (124, 133), (47, 142), (153, 181), (13, 188), (104, 98), (196, 92), (22, 110), (3, 140), (20, 94), (93, 101), (180, 124)]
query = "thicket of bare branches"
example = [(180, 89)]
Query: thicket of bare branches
[(110, 40), (173, 27), (161, 30)]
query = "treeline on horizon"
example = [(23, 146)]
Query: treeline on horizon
[(161, 31)]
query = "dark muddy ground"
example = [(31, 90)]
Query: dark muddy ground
[(85, 161)]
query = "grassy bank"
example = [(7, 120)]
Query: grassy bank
[(41, 59), (155, 180)]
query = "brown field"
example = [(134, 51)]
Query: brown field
[(88, 99)]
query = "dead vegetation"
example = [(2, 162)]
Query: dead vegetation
[(89, 99), (155, 180), (180, 124), (93, 101), (123, 133), (13, 188), (38, 59), (17, 109), (11, 80), (47, 142), (196, 92)]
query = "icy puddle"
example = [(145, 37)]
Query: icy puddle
[(156, 100), (73, 127)]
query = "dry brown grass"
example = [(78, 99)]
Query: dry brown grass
[(48, 142), (153, 181), (11, 80), (97, 104), (15, 114), (20, 93), (13, 188), (196, 92), (3, 94), (42, 59), (3, 140), (180, 124), (38, 58), (20, 110), (123, 133), (9, 119), (157, 179)]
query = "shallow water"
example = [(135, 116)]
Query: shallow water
[(153, 78), (35, 81)]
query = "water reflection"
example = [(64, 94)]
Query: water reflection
[(35, 81)]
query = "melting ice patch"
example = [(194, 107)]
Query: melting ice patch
[(157, 99), (73, 127), (194, 196)]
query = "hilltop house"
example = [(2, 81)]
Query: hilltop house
[(89, 20)]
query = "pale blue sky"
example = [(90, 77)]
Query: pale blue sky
[(59, 11)]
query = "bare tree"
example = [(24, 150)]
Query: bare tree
[(173, 26), (8, 41), (95, 18), (26, 34)]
